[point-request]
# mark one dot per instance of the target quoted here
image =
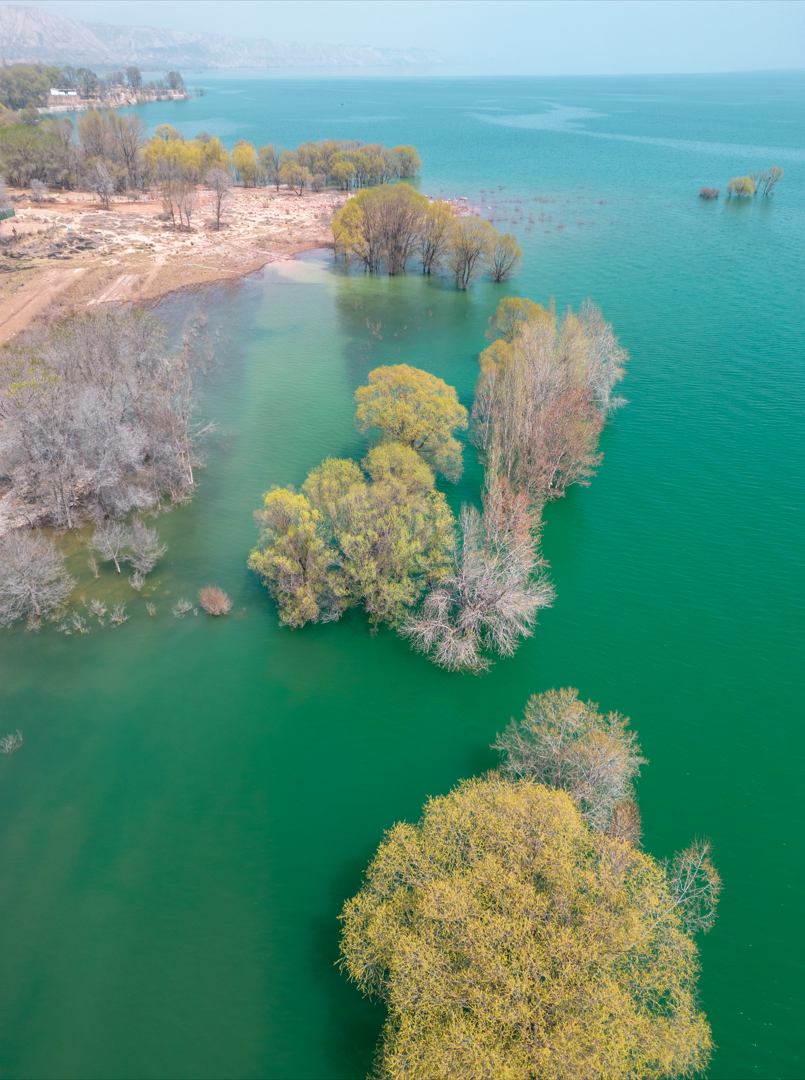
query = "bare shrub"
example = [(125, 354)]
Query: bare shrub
[(9, 744), (33, 580), (151, 608), (214, 600), (709, 193), (118, 615), (97, 608), (38, 190), (181, 608)]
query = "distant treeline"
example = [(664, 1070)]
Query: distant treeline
[(340, 162), (106, 144), (28, 86)]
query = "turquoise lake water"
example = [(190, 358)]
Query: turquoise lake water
[(196, 798)]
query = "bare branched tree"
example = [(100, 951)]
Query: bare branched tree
[(96, 417), (493, 596), (101, 183), (542, 399), (110, 541), (144, 546), (33, 580), (185, 196), (696, 884), (219, 181), (566, 743)]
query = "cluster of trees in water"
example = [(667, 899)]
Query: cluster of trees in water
[(519, 931), (383, 538), (97, 424), (760, 182), (389, 227)]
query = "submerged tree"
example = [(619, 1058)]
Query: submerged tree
[(33, 580), (545, 389), (344, 541), (509, 939), (504, 258), (471, 244), (415, 408), (568, 744), (741, 186), (490, 599)]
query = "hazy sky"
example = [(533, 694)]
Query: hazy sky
[(518, 37)]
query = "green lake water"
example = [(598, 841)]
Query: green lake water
[(196, 798)]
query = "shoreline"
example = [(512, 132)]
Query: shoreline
[(66, 254)]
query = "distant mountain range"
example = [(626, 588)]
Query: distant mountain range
[(30, 35)]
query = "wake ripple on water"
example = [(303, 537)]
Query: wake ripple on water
[(565, 119)]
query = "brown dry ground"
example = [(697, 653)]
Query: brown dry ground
[(67, 254)]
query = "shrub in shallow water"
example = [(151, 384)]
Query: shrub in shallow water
[(214, 600)]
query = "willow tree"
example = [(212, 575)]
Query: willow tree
[(434, 235), (508, 939), (381, 225), (349, 539), (544, 392), (471, 245), (504, 258), (415, 408)]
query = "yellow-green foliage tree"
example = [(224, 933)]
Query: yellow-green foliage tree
[(246, 163), (415, 408), (504, 258), (407, 160), (472, 243), (169, 156), (434, 234), (23, 85), (347, 541), (381, 225), (509, 939), (741, 186)]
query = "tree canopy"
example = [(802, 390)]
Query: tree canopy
[(543, 394), (347, 541), (566, 743), (509, 939), (415, 408)]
